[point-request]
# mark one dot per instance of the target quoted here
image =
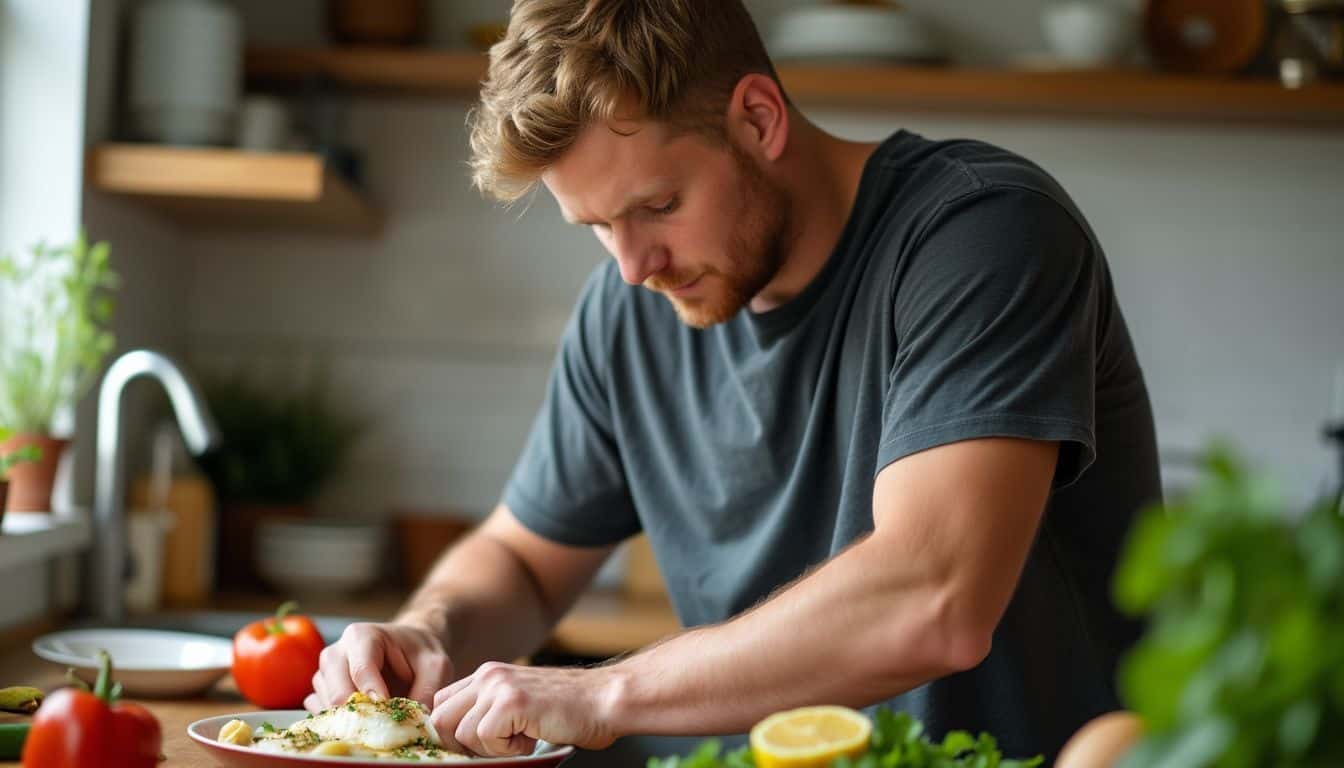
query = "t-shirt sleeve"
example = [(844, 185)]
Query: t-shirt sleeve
[(995, 320), (569, 484)]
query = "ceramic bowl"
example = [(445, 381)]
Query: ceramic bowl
[(147, 662), (306, 557), (1089, 33), (852, 32)]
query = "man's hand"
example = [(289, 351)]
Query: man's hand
[(382, 660), (503, 709)]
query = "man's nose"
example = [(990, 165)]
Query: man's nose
[(637, 257)]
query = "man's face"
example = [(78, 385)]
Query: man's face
[(699, 223)]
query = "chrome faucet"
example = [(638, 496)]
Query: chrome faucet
[(109, 528)]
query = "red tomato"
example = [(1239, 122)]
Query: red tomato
[(274, 659), (78, 729)]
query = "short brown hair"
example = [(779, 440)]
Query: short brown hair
[(565, 64)]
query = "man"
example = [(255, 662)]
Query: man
[(874, 405)]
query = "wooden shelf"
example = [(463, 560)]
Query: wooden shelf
[(1119, 94), (226, 187), (414, 70)]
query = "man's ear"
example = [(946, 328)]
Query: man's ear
[(758, 117)]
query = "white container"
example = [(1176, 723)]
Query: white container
[(307, 557), (263, 124), (853, 32), (186, 71), (144, 539), (1089, 33)]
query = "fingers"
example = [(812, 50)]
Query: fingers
[(447, 717), (332, 682), (451, 690), (500, 729), (432, 672), (313, 701), (467, 733), (365, 652), (381, 661)]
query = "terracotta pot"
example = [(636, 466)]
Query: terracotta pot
[(30, 481), (237, 526), (422, 537)]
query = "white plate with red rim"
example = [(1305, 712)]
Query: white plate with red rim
[(206, 734)]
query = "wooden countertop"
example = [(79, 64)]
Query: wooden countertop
[(601, 624), (19, 666)]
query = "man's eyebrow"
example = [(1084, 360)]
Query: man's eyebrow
[(630, 205)]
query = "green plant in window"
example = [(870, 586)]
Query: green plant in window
[(54, 330)]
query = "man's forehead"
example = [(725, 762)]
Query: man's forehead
[(605, 171)]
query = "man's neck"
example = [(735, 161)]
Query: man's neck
[(821, 175)]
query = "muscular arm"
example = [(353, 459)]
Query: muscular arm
[(916, 600), (496, 595)]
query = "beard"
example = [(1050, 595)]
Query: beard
[(756, 250)]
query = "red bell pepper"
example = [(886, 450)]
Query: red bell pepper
[(82, 729), (274, 659)]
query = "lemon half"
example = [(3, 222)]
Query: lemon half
[(810, 737)]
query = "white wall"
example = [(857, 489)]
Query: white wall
[(1224, 243)]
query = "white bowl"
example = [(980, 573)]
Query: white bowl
[(852, 32), (306, 557), (147, 662), (1089, 32)]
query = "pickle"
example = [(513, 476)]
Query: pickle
[(23, 699)]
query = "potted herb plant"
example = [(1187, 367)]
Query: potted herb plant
[(280, 446), (9, 460), (54, 336)]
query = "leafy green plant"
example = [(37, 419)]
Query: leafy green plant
[(278, 447), (1243, 663), (898, 741), (26, 453), (55, 329)]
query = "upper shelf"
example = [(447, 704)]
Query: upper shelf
[(1110, 93), (229, 186)]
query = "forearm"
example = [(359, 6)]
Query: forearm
[(482, 602), (856, 631)]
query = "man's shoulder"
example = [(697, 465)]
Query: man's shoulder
[(926, 183), (950, 168)]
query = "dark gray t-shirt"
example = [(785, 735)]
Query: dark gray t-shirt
[(967, 297)]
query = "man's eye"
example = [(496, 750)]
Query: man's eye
[(663, 210)]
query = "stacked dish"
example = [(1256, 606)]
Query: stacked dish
[(319, 556)]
